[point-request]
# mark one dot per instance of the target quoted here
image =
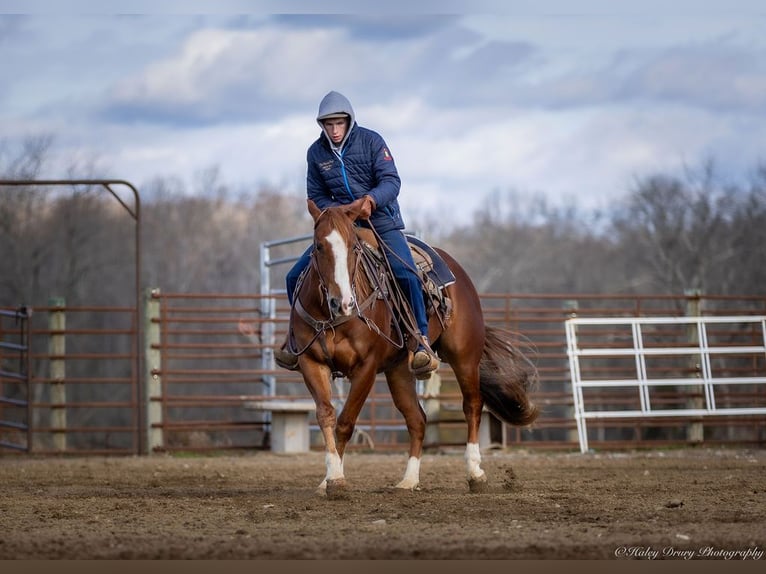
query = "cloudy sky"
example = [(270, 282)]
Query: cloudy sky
[(572, 100)]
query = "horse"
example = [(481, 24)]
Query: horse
[(342, 323)]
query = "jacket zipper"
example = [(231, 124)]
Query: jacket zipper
[(345, 175)]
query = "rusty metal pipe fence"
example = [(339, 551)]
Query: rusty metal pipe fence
[(82, 386), (203, 361), (82, 390)]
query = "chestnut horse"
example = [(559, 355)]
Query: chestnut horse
[(343, 323)]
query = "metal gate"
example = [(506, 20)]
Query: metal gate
[(711, 364), (269, 303), (137, 400), (15, 395)]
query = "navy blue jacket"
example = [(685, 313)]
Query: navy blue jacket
[(363, 166)]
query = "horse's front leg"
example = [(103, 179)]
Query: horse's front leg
[(318, 379), (401, 382), (362, 380)]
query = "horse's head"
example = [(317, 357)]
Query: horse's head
[(335, 255)]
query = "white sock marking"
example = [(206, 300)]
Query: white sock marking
[(411, 474), (473, 460), (334, 466)]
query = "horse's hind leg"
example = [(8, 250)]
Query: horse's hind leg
[(467, 374), (402, 386), (462, 346)]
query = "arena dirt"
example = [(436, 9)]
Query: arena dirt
[(698, 503)]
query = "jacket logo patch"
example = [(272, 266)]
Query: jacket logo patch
[(326, 165), (386, 154)]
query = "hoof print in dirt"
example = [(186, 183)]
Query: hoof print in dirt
[(511, 481), (478, 486), (399, 491)]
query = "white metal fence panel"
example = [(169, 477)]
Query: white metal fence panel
[(641, 341)]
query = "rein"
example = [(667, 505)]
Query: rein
[(380, 288)]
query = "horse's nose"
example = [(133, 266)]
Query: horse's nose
[(348, 306), (341, 306)]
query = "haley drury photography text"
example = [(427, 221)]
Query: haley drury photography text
[(706, 552)]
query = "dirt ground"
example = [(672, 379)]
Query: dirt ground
[(695, 503)]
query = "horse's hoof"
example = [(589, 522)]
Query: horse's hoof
[(405, 489), (337, 489), (477, 485)]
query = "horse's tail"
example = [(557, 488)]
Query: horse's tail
[(506, 377)]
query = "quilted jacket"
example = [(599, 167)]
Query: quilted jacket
[(360, 165)]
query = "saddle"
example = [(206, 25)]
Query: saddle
[(433, 271), (430, 262), (435, 276)]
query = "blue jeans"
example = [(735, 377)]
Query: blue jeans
[(402, 266)]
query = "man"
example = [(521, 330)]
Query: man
[(351, 164)]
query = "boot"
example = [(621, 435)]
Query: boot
[(286, 359), (424, 361)]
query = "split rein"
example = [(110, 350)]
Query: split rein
[(376, 272)]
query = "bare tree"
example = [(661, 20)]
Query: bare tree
[(210, 241), (515, 245), (678, 229), (671, 233), (23, 248), (748, 238)]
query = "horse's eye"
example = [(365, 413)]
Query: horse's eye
[(318, 246)]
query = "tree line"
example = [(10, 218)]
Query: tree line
[(667, 234)]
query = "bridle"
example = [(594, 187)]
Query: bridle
[(364, 262)]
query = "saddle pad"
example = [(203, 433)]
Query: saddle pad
[(439, 273)]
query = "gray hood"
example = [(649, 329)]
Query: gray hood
[(332, 104)]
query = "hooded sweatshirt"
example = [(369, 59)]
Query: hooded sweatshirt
[(360, 165)]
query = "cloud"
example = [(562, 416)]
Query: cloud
[(569, 104), (717, 76), (363, 28), (714, 62), (10, 27), (224, 75)]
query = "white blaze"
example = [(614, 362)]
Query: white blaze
[(341, 274)]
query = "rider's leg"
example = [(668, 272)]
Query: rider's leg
[(291, 281), (283, 356), (424, 360)]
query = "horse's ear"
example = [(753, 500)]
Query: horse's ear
[(313, 209)]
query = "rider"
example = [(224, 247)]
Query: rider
[(351, 164)]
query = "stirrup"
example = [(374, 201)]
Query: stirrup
[(424, 361), (286, 359)]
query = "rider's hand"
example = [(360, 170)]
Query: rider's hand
[(364, 206)]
